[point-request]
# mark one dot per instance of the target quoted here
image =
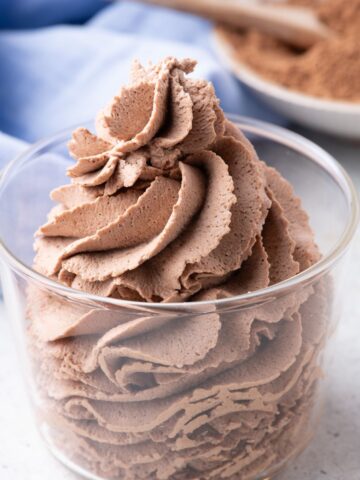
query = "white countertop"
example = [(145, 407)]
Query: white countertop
[(333, 455)]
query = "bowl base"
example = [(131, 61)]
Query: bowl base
[(45, 432)]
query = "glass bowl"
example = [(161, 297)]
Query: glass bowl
[(251, 400)]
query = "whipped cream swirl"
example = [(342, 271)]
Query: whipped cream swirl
[(169, 200)]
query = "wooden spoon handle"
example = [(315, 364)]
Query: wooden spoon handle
[(296, 25)]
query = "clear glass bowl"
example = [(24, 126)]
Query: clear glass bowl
[(108, 412)]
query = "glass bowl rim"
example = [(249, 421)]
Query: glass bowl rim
[(249, 125)]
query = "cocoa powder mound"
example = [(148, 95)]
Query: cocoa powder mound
[(330, 69)]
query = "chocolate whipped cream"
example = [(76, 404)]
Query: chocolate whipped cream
[(169, 202)]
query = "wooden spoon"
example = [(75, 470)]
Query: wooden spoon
[(297, 26)]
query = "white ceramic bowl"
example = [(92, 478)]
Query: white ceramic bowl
[(333, 117)]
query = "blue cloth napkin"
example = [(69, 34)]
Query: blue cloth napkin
[(55, 75)]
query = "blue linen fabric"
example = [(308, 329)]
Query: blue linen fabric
[(62, 60)]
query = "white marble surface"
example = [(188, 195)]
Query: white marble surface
[(335, 452)]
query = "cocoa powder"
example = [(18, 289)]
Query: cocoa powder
[(330, 69)]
